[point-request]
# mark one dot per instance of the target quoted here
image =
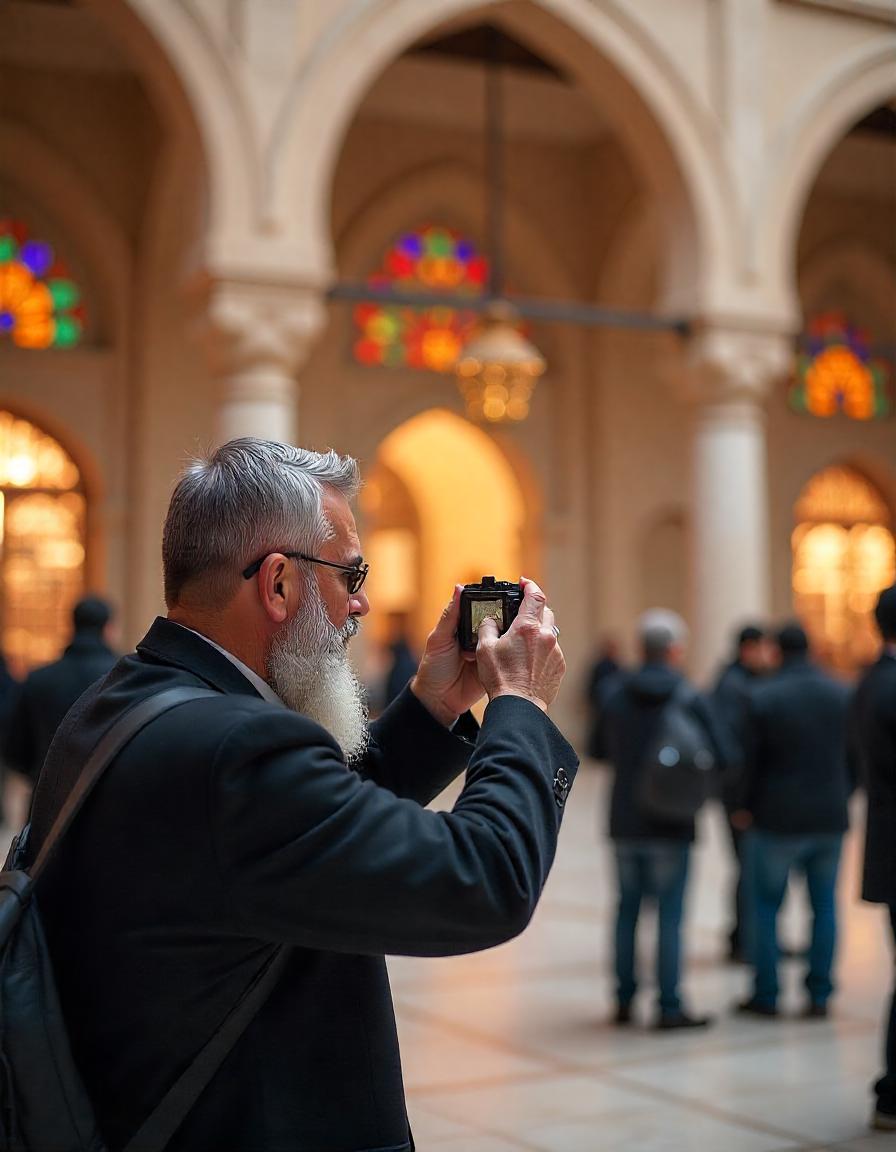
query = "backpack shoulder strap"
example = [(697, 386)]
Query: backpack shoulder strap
[(110, 744), (156, 1131)]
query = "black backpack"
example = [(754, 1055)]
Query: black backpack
[(677, 770), (44, 1106)]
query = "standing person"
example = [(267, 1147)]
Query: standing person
[(402, 661), (9, 690), (600, 678), (652, 855), (729, 699), (47, 693), (874, 734), (270, 814), (795, 793)]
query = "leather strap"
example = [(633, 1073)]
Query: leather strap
[(103, 754)]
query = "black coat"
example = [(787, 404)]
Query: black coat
[(232, 824), (874, 736), (729, 701), (629, 722), (46, 695), (796, 779)]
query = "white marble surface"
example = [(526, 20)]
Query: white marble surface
[(510, 1050)]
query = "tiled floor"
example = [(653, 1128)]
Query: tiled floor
[(510, 1050)]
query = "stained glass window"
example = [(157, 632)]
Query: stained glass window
[(432, 259), (40, 304), (836, 373)]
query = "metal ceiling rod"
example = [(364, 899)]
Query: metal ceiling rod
[(532, 308)]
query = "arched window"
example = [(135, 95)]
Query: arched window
[(40, 304), (432, 259), (836, 373), (843, 555), (43, 543)]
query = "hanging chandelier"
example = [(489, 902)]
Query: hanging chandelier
[(497, 369)]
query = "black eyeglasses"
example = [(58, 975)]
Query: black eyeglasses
[(357, 573)]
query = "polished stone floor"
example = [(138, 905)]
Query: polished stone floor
[(511, 1050)]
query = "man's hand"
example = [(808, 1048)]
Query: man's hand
[(527, 660), (447, 682)]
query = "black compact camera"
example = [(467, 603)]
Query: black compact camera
[(499, 599)]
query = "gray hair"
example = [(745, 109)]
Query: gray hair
[(660, 629), (247, 498)]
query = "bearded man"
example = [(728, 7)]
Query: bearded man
[(267, 813)]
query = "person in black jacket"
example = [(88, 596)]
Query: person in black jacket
[(47, 693), (729, 700), (795, 791), (874, 734), (652, 855), (270, 814)]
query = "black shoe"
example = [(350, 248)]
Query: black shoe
[(671, 1020), (815, 1012), (754, 1008), (623, 1015)]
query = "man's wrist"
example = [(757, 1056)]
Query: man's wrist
[(444, 715), (536, 700)]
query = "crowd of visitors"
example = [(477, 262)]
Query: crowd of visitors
[(784, 747)]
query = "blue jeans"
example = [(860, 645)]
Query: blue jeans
[(772, 857), (656, 869)]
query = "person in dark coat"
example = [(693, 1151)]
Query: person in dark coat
[(652, 856), (402, 661), (795, 792), (600, 679), (47, 693), (271, 814), (9, 691), (873, 731), (729, 700)]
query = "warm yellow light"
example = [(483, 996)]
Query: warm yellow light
[(21, 470), (498, 369)]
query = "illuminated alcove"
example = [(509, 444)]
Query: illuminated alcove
[(843, 555), (42, 551), (442, 505)]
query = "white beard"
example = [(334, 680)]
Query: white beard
[(308, 668)]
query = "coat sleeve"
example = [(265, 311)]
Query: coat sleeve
[(313, 855), (393, 757)]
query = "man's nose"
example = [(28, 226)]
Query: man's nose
[(359, 605)]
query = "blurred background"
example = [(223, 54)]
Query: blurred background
[(214, 214)]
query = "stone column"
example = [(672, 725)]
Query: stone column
[(258, 337), (729, 379)]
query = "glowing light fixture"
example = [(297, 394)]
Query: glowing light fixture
[(498, 367)]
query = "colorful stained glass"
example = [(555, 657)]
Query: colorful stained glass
[(40, 305), (432, 259), (836, 373)]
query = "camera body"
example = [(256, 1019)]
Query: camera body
[(499, 599)]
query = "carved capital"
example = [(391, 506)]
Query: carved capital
[(731, 365), (267, 327)]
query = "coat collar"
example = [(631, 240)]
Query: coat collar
[(168, 643)]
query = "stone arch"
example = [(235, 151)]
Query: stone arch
[(863, 80), (618, 64), (871, 275), (191, 86)]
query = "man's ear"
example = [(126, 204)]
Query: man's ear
[(277, 587)]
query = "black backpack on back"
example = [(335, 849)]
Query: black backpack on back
[(44, 1105), (677, 769)]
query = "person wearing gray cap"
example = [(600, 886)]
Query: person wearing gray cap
[(652, 849)]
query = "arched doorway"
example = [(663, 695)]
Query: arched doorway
[(844, 553), (442, 505), (42, 554)]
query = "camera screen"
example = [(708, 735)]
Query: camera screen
[(480, 609)]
